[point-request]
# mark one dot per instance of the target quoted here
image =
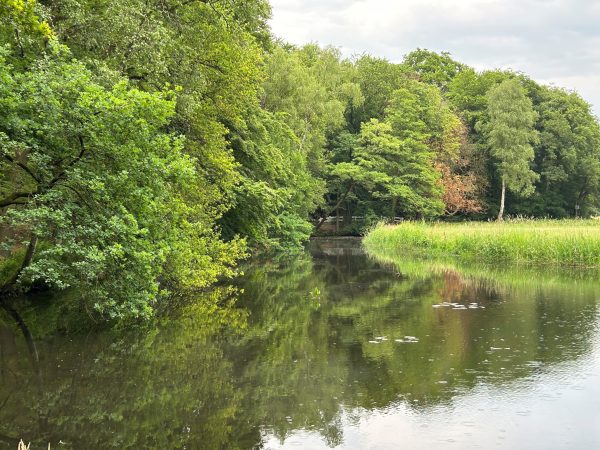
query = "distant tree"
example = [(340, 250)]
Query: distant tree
[(567, 157), (403, 169), (305, 84), (461, 191), (467, 94), (510, 133), (434, 68), (396, 160), (378, 79)]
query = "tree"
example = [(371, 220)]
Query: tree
[(211, 50), (378, 79), (397, 158), (308, 89), (461, 191), (467, 93), (401, 168), (510, 133), (433, 68), (567, 157), (98, 190), (310, 85), (277, 192)]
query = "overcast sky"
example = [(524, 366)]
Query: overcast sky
[(554, 41)]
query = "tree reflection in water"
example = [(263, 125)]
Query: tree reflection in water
[(310, 344)]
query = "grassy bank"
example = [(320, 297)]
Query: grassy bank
[(556, 242)]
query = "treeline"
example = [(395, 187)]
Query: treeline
[(146, 146), (432, 137)]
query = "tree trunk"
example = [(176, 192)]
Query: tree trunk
[(322, 221), (26, 261), (393, 211), (580, 199), (503, 195), (347, 214)]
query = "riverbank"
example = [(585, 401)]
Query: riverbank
[(555, 242)]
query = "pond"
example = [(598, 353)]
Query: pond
[(329, 350)]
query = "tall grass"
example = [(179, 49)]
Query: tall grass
[(557, 242)]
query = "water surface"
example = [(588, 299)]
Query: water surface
[(329, 350)]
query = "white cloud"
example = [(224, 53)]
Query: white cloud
[(551, 40)]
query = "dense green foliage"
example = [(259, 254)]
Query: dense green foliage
[(97, 178), (565, 242), (147, 146)]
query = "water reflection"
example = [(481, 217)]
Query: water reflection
[(321, 351)]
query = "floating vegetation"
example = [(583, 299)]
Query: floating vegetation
[(378, 340), (408, 340), (458, 306)]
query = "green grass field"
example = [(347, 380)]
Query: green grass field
[(556, 242)]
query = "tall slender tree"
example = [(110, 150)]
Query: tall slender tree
[(510, 133)]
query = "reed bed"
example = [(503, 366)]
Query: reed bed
[(556, 242)]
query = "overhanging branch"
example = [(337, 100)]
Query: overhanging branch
[(22, 166), (15, 198)]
